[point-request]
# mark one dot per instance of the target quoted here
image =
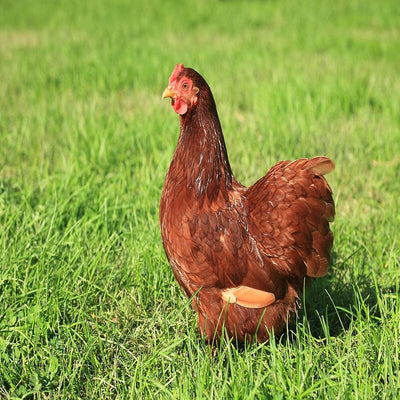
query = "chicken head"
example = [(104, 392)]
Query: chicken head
[(181, 90)]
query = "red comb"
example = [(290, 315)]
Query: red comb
[(175, 73)]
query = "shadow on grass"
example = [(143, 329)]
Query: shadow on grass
[(330, 303)]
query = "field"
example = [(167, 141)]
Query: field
[(89, 308)]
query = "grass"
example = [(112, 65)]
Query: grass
[(88, 304)]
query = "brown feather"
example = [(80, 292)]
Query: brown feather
[(252, 245)]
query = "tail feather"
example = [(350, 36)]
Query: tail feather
[(321, 165)]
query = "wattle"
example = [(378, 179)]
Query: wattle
[(179, 106)]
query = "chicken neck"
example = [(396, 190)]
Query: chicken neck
[(201, 151)]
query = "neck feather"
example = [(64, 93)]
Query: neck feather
[(201, 151)]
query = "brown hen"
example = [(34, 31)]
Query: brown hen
[(243, 253)]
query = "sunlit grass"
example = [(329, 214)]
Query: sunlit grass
[(88, 304)]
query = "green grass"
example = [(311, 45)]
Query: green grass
[(88, 304)]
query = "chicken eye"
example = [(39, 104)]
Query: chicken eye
[(184, 85)]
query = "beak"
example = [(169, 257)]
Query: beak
[(168, 92)]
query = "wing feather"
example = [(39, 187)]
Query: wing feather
[(290, 210)]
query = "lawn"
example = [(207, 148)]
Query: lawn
[(89, 308)]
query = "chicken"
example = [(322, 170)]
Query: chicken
[(242, 254)]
